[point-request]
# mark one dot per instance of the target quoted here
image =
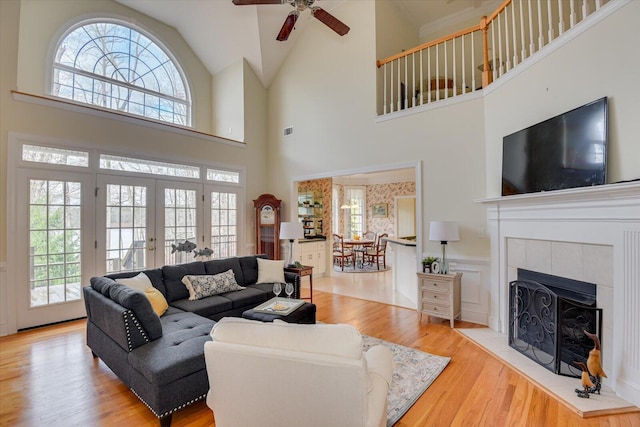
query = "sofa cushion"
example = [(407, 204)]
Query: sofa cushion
[(217, 266), (154, 274), (140, 282), (173, 275), (270, 271), (249, 265), (337, 340), (206, 307), (210, 284), (139, 304), (178, 353), (249, 297), (102, 284)]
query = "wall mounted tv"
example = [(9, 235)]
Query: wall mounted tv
[(566, 151)]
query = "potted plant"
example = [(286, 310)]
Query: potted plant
[(426, 264)]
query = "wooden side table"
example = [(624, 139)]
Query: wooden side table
[(305, 270), (439, 295)]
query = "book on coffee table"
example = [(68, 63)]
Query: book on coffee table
[(280, 306)]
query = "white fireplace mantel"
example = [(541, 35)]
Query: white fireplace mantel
[(606, 216)]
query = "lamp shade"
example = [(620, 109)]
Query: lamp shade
[(444, 231), (291, 230)]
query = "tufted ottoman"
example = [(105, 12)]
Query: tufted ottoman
[(306, 313)]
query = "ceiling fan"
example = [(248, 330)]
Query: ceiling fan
[(299, 6)]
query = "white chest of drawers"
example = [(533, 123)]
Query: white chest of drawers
[(439, 295)]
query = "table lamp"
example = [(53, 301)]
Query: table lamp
[(291, 231), (444, 231)]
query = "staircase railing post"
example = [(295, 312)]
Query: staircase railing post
[(487, 77)]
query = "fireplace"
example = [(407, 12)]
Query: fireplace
[(590, 234), (547, 319)]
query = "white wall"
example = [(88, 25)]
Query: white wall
[(326, 91), (228, 102), (603, 61)]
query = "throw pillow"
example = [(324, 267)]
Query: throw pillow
[(157, 300), (201, 286), (270, 271), (140, 282)]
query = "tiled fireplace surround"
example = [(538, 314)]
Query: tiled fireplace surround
[(588, 234)]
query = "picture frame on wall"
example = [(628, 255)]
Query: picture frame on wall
[(380, 210)]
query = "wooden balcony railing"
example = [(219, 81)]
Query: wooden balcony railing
[(473, 58)]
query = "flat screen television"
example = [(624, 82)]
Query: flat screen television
[(566, 151)]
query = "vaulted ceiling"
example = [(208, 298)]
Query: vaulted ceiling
[(221, 33)]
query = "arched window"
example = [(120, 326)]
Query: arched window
[(114, 65)]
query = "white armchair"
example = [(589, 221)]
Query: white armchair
[(281, 374)]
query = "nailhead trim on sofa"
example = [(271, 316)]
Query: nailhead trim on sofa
[(129, 315), (184, 405)]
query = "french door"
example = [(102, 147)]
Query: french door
[(125, 224), (143, 223), (57, 245)]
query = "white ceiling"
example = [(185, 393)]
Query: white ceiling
[(221, 33)]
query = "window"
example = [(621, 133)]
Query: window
[(113, 65), (55, 156), (354, 199), (223, 176), (129, 164)]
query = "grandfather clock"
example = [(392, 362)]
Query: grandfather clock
[(267, 209)]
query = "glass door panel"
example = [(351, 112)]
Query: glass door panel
[(55, 232), (125, 223), (180, 209), (224, 214)]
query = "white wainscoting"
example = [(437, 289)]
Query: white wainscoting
[(474, 288)]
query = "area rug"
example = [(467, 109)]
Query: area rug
[(414, 372), (365, 269)]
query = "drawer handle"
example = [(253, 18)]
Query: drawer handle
[(435, 284), (435, 297)]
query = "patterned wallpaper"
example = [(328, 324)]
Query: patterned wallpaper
[(376, 193), (385, 193)]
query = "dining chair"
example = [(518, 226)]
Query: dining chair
[(370, 235), (341, 254), (377, 252)]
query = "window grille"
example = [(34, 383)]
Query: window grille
[(115, 66), (128, 164), (55, 156)]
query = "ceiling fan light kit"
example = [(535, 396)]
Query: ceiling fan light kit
[(300, 5)]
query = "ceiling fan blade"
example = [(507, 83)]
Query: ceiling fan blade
[(330, 21), (288, 25), (249, 2)]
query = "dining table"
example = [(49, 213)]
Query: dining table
[(359, 247)]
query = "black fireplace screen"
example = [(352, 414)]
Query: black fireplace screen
[(548, 327)]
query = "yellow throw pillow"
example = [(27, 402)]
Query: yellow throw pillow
[(157, 300)]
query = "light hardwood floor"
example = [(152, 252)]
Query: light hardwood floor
[(48, 377)]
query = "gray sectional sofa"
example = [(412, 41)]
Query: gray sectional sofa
[(161, 358)]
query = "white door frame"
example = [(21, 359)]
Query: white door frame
[(27, 316)]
